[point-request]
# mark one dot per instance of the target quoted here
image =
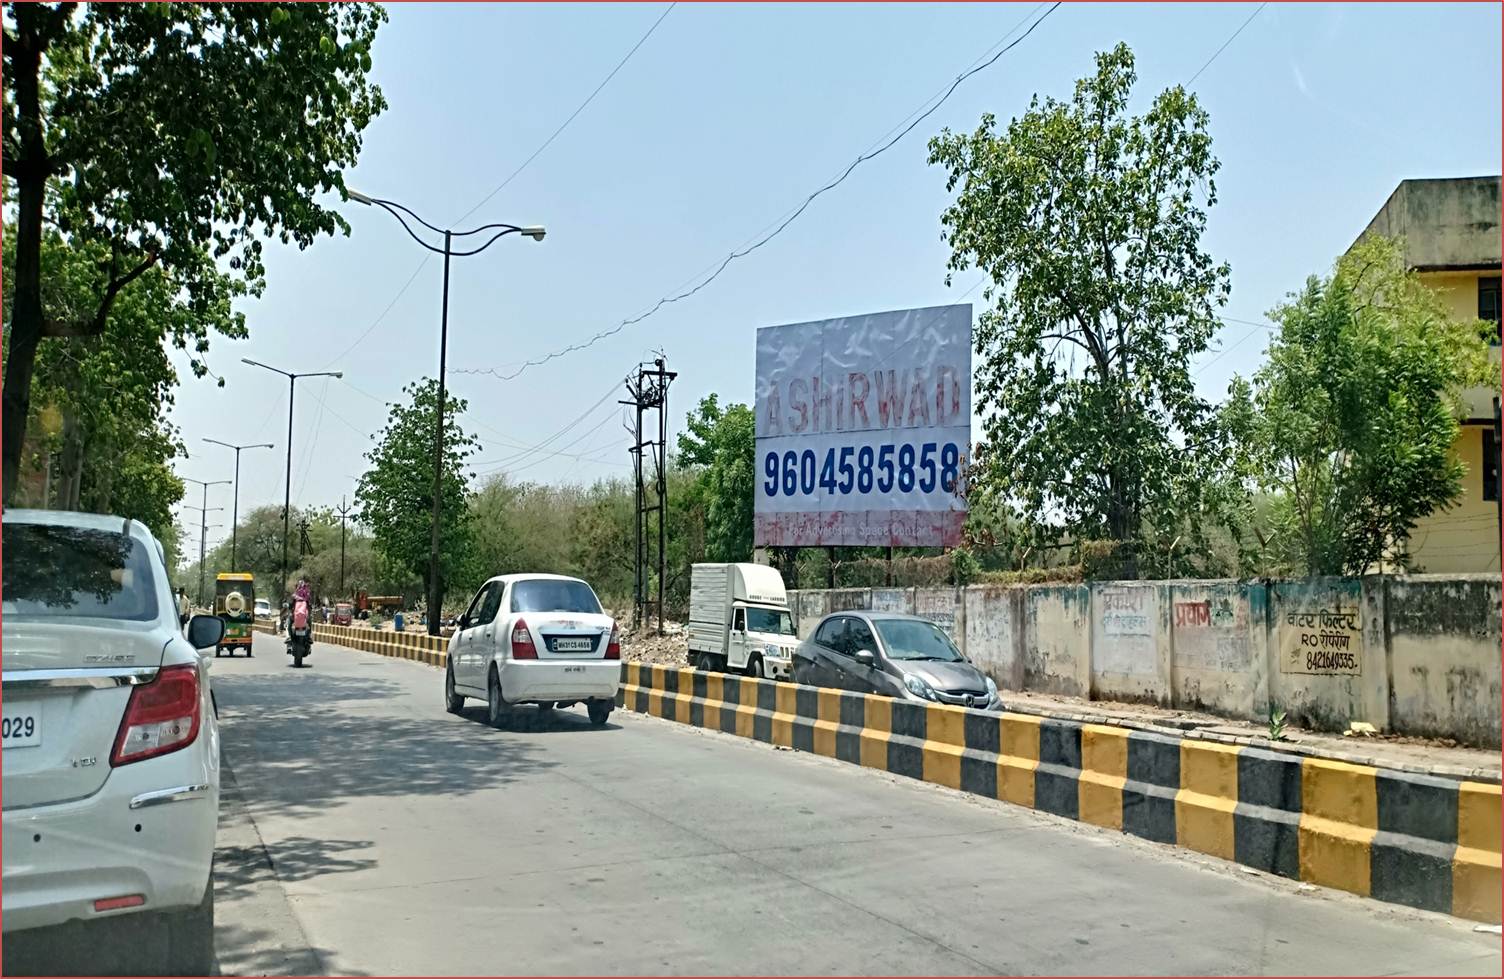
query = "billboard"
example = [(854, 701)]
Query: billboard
[(864, 429)]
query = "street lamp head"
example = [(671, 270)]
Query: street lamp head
[(339, 374), (357, 196), (534, 231)]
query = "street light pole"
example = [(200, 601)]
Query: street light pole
[(292, 380), (235, 511), (535, 232), (343, 510), (203, 533)]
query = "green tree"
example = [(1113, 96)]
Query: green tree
[(721, 444), (1351, 422), (1088, 220), (170, 136), (395, 495)]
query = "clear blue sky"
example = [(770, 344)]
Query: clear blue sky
[(724, 120)]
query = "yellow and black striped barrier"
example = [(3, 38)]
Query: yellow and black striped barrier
[(1417, 840)]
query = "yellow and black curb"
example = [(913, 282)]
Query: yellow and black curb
[(1426, 842)]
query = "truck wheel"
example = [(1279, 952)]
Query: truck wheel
[(754, 667), (706, 662)]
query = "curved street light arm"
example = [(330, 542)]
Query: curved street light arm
[(393, 211), (488, 244), (484, 227), (406, 210)]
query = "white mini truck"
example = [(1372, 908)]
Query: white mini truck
[(739, 619)]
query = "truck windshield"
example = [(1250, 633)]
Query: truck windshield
[(770, 621)]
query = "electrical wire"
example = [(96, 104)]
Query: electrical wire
[(780, 227), (1225, 43), (565, 124)]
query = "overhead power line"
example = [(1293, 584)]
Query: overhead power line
[(781, 226), (565, 124), (1225, 43)]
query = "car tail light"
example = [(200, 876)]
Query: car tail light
[(162, 716), (522, 642), (613, 645)]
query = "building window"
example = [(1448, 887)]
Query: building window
[(1490, 465), (1489, 302)]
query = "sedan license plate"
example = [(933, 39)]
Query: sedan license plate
[(566, 644), (21, 727)]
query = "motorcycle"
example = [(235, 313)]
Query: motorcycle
[(299, 633)]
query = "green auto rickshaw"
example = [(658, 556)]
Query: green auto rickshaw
[(235, 603)]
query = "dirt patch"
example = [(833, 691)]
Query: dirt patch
[(644, 645)]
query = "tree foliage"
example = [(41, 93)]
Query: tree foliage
[(101, 401), (170, 136), (1351, 422), (1089, 220), (720, 444), (395, 494)]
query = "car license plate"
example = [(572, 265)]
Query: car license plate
[(21, 727), (565, 644), (574, 669)]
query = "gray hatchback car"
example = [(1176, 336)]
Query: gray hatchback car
[(894, 655)]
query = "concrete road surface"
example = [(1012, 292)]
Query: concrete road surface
[(367, 832)]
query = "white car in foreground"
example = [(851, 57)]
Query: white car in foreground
[(534, 639), (111, 751)]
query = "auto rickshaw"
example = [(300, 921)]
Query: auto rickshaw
[(235, 603)]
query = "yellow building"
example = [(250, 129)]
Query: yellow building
[(1451, 232)]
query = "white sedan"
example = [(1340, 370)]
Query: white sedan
[(534, 639), (111, 750)]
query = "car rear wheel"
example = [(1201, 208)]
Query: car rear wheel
[(453, 702), (497, 711), (190, 937), (599, 710)]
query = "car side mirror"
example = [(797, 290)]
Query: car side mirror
[(866, 658), (464, 622), (205, 631)]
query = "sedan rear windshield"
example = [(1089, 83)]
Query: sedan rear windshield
[(553, 595), (53, 572), (911, 639)]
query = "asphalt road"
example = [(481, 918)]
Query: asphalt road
[(367, 832)]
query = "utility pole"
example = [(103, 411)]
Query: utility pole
[(343, 510), (1498, 474), (649, 392)]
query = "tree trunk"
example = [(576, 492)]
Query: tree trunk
[(71, 462), (30, 174)]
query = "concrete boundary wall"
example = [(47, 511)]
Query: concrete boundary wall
[(1409, 839), (1416, 655)]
